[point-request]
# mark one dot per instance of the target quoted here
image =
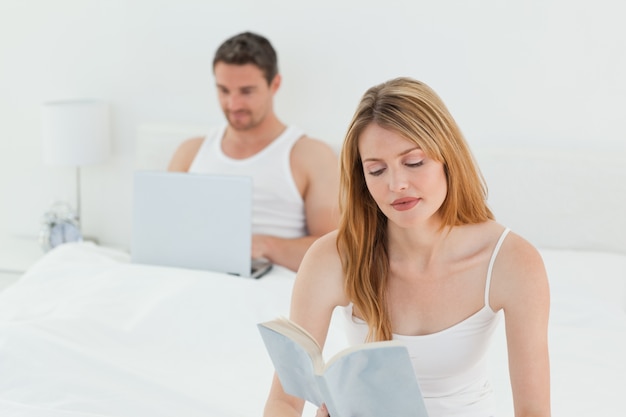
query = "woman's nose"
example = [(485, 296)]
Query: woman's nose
[(398, 181)]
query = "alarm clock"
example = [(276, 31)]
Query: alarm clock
[(60, 225)]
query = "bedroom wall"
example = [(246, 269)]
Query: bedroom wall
[(540, 71)]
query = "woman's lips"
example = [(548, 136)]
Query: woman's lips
[(403, 204)]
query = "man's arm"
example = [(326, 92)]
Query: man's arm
[(281, 251), (315, 169), (185, 154)]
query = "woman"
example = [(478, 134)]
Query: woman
[(418, 257)]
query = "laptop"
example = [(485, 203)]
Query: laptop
[(195, 221)]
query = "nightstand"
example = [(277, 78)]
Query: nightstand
[(17, 254)]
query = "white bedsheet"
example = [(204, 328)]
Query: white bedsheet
[(86, 333)]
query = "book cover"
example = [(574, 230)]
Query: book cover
[(369, 380)]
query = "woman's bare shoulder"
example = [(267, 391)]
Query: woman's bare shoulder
[(519, 253), (323, 256), (519, 272), (321, 270)]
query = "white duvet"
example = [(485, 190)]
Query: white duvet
[(86, 333)]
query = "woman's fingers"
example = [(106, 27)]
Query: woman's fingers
[(322, 411)]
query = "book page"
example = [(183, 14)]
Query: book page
[(293, 365), (368, 345), (374, 382), (299, 334)]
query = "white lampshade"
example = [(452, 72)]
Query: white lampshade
[(75, 132)]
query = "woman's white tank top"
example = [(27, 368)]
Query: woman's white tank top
[(450, 365)]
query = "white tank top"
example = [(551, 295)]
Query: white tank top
[(277, 206), (450, 365)]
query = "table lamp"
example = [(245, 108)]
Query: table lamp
[(75, 133)]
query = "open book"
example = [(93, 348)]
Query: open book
[(369, 380)]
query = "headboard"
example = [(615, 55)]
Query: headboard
[(556, 198), (559, 198), (156, 143)]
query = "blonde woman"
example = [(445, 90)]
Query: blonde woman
[(418, 257)]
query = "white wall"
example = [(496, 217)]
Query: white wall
[(531, 71)]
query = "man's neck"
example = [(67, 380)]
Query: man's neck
[(240, 144)]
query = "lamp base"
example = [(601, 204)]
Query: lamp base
[(90, 239)]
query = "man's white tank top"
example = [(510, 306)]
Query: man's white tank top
[(450, 365), (277, 206)]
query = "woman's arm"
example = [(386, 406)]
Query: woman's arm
[(520, 288), (318, 289)]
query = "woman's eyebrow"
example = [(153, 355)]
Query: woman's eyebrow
[(400, 154)]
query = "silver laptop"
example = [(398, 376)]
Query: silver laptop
[(195, 221)]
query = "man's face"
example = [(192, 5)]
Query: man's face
[(244, 94)]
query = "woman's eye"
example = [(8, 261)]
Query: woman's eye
[(377, 172), (415, 164)]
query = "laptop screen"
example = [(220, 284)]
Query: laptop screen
[(189, 220)]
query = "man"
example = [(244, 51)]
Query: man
[(295, 177)]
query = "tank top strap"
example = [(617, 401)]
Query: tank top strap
[(215, 137), (491, 262), (287, 139)]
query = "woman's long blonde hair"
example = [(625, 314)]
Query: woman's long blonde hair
[(413, 110)]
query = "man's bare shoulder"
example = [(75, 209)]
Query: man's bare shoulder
[(185, 154), (306, 144), (191, 144), (311, 154)]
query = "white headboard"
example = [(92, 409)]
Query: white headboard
[(559, 198), (156, 143), (555, 198)]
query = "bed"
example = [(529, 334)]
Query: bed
[(85, 332)]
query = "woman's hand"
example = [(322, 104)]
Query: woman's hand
[(322, 411)]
